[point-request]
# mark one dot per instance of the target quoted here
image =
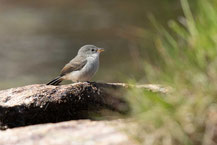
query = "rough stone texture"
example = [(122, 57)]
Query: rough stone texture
[(82, 132), (36, 104)]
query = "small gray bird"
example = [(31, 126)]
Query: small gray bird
[(82, 67)]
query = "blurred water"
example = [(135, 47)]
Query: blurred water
[(38, 37)]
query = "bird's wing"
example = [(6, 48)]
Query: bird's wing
[(74, 65)]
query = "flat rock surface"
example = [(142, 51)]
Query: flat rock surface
[(81, 132), (51, 107), (35, 104)]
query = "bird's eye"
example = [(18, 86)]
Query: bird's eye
[(92, 50)]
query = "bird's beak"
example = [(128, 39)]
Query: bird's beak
[(100, 50)]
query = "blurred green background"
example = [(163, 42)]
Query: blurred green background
[(37, 38), (186, 62)]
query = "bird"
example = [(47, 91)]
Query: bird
[(82, 67)]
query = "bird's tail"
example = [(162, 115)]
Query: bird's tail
[(55, 81)]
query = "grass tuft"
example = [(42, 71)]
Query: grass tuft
[(187, 63)]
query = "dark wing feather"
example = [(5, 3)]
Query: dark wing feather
[(75, 64)]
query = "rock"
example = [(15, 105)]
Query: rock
[(36, 104), (81, 132)]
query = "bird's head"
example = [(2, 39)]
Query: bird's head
[(90, 50)]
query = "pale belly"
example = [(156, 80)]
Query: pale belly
[(85, 74)]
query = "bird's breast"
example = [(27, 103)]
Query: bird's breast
[(86, 73), (91, 67)]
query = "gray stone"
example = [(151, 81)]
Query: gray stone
[(81, 132), (35, 104)]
